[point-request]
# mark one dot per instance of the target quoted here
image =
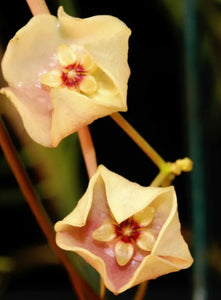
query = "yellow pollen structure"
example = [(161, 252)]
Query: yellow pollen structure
[(127, 231), (73, 72), (133, 231)]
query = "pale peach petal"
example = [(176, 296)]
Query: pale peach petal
[(66, 55), (72, 110), (35, 53), (116, 278), (106, 42), (163, 205), (122, 195), (31, 52), (152, 267), (170, 242), (100, 255), (107, 89), (107, 57), (75, 233), (95, 194), (87, 30), (34, 107)]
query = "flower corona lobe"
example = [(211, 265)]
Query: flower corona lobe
[(72, 72), (128, 234)]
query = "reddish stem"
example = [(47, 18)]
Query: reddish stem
[(80, 286), (38, 7), (88, 150)]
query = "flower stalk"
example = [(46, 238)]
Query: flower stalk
[(79, 285), (167, 170), (141, 291), (39, 211), (38, 7), (140, 141), (163, 179), (88, 150), (102, 289)]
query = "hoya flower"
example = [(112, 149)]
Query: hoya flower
[(65, 72), (127, 232)]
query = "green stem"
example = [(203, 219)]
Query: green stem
[(160, 178), (140, 141)]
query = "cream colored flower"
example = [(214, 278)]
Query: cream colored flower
[(127, 232), (66, 72)]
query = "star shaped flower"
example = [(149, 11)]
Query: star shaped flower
[(63, 73), (127, 232)]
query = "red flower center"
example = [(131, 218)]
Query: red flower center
[(72, 75), (127, 231)]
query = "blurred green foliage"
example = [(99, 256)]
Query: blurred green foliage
[(175, 9)]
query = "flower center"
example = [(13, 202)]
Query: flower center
[(73, 75), (127, 231), (134, 231), (73, 72)]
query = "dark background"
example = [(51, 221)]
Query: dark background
[(157, 109)]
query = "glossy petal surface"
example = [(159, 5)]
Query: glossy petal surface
[(145, 216), (146, 241), (104, 233), (123, 252)]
